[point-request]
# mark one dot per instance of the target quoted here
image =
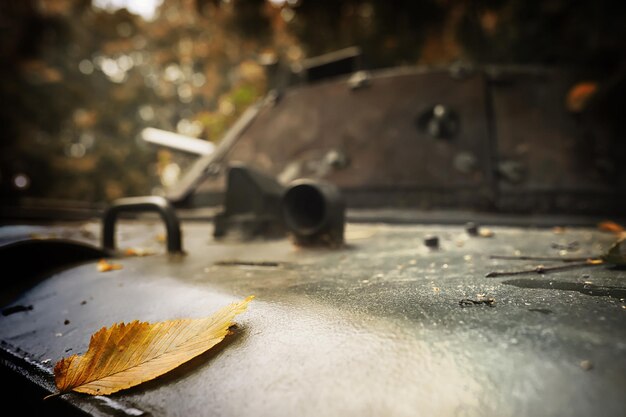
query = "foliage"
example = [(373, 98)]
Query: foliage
[(128, 354)]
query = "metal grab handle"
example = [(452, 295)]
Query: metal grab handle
[(138, 204)]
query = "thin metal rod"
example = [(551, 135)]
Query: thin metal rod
[(542, 258), (540, 269)]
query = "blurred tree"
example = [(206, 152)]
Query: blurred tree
[(553, 32), (388, 33), (79, 84)]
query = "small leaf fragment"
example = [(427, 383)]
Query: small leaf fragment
[(139, 252), (104, 266), (586, 365), (128, 354), (609, 226), (579, 95)]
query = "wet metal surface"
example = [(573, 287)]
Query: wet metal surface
[(372, 329)]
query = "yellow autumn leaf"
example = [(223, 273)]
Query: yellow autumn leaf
[(609, 226), (104, 266), (139, 252), (127, 354)]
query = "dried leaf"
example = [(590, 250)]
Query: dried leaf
[(125, 355), (609, 226), (139, 252), (104, 266), (579, 95)]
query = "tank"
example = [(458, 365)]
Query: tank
[(419, 241)]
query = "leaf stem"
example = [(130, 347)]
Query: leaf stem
[(56, 394)]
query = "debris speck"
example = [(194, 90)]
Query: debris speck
[(471, 228), (46, 361), (82, 303), (541, 310), (486, 233), (66, 322), (431, 241), (570, 246), (586, 365), (467, 302), (58, 334)]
